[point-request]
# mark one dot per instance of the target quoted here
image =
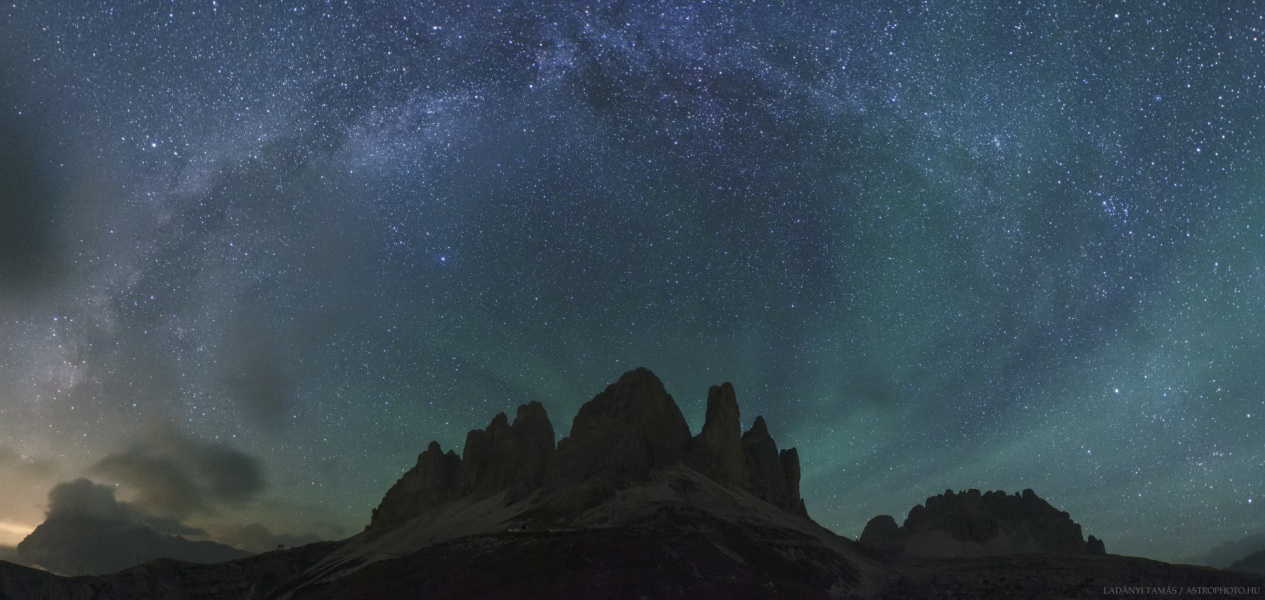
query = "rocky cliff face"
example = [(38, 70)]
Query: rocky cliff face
[(717, 450), (430, 483), (975, 524), (507, 457), (623, 433), (750, 461), (502, 458), (773, 475), (621, 436)]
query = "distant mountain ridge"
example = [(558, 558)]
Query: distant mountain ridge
[(631, 505), (87, 531), (1252, 563), (97, 546), (974, 524)]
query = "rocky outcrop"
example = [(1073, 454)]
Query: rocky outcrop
[(482, 467), (431, 482), (534, 441), (750, 461), (768, 476), (507, 457), (620, 437), (975, 524), (790, 468), (502, 458), (717, 450), (881, 532)]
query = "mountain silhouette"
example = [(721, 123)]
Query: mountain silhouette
[(633, 505), (975, 524)]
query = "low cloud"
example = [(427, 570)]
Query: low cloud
[(83, 499), (166, 481), (89, 531), (175, 476)]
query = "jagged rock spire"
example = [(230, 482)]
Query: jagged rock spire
[(620, 436), (717, 450)]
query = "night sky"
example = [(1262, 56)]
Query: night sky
[(253, 259)]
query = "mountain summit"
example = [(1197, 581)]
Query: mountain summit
[(621, 437)]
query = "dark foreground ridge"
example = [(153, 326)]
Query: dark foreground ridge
[(631, 505)]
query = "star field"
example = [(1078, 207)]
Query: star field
[(936, 245)]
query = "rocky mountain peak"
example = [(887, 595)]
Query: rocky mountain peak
[(629, 430), (623, 433), (431, 482), (759, 429), (534, 442), (532, 415), (766, 470)]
